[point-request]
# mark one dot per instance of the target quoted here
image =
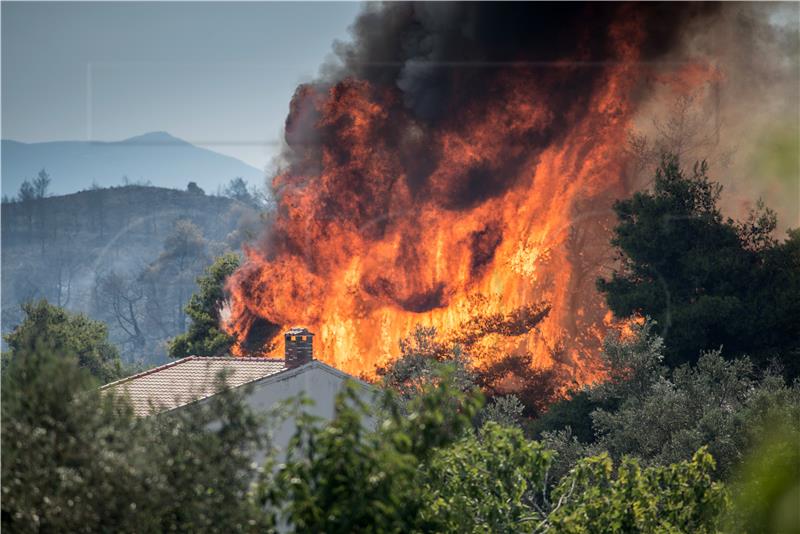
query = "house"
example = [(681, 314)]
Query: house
[(196, 379)]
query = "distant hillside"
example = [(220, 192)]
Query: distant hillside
[(126, 255), (157, 157)]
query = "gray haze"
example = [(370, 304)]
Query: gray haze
[(218, 75)]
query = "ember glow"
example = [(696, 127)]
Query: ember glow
[(486, 215)]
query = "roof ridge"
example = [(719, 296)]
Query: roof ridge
[(149, 371), (184, 360)]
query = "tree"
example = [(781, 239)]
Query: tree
[(422, 357), (483, 482), (123, 297), (237, 189), (195, 189), (41, 183), (344, 477), (76, 459), (426, 469), (169, 280), (204, 336), (681, 497), (660, 416), (707, 281), (67, 334), (26, 197)]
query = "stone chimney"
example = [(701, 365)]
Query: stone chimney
[(299, 347)]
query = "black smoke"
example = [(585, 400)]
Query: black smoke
[(443, 58)]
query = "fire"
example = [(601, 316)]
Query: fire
[(490, 224)]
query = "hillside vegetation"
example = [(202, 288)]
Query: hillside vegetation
[(126, 255)]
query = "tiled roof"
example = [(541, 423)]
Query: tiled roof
[(179, 383)]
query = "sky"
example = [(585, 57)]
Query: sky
[(219, 75)]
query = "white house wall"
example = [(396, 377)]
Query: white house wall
[(317, 381)]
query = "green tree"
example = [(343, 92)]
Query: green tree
[(661, 416), (681, 497), (421, 361), (422, 357), (204, 336), (708, 281), (424, 468), (68, 334), (345, 477), (483, 482), (76, 459)]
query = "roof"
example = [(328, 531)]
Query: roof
[(189, 379)]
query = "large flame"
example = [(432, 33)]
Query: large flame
[(498, 247)]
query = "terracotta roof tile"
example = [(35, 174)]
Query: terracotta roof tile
[(179, 383)]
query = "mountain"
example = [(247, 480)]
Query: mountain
[(156, 157)]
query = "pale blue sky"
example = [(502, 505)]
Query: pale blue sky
[(219, 75)]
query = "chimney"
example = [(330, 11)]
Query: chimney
[(299, 347)]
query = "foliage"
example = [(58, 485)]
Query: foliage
[(482, 482), (574, 412), (67, 334), (27, 192), (681, 497), (535, 388), (505, 410), (77, 460), (183, 246), (344, 477), (238, 189), (660, 416), (422, 356), (195, 189), (422, 359), (427, 469), (41, 183), (708, 281), (767, 487), (204, 336)]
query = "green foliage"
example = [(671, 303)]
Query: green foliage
[(66, 334), (505, 410), (573, 412), (708, 281), (425, 469), (681, 497), (423, 356), (422, 360), (482, 482), (204, 336), (344, 477), (77, 460), (660, 416), (767, 487)]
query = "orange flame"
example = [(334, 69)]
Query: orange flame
[(359, 253)]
